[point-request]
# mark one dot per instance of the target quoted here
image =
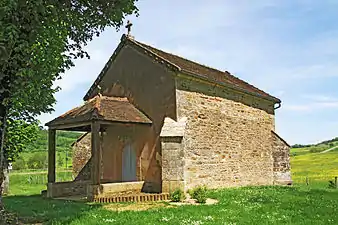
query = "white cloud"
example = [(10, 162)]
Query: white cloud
[(319, 97), (320, 105)]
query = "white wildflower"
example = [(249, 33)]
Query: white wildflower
[(109, 220), (164, 219), (208, 218)]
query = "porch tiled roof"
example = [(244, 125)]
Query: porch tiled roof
[(105, 109)]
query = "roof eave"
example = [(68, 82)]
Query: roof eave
[(159, 59), (198, 76)]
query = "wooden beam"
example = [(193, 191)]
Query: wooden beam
[(106, 122), (96, 153), (69, 125), (51, 155)]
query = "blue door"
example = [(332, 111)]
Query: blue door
[(128, 163)]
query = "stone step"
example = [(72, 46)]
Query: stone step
[(143, 197)]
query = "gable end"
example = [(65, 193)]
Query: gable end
[(127, 41)]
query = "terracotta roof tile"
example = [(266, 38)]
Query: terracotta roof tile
[(187, 66), (205, 71), (102, 108)]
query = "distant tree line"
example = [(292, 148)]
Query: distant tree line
[(64, 139), (300, 146), (34, 154), (328, 142)]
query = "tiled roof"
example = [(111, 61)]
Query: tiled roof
[(102, 108), (205, 71), (186, 66)]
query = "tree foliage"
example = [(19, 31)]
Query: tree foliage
[(42, 37), (38, 41), (19, 136)]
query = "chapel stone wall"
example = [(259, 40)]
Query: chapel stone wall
[(281, 161), (227, 140), (81, 158)]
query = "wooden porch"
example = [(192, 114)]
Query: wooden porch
[(95, 116)]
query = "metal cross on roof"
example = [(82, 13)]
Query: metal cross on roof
[(128, 26)]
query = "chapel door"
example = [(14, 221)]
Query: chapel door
[(128, 163)]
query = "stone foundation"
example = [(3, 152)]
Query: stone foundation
[(85, 188), (63, 189), (124, 188), (170, 186)]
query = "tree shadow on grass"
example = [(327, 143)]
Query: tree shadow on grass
[(36, 209)]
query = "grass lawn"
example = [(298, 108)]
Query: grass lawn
[(249, 205), (299, 204)]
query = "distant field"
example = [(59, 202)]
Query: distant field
[(318, 167), (33, 182)]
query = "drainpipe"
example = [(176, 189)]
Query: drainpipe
[(278, 106)]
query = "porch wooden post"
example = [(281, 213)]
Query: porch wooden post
[(96, 153), (51, 155)]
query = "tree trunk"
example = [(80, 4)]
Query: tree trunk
[(2, 155), (5, 184), (4, 94)]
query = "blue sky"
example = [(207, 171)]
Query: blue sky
[(288, 48)]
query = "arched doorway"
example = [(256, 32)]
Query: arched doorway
[(129, 163)]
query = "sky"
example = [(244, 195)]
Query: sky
[(288, 48)]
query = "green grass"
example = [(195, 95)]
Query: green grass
[(299, 151), (248, 205), (31, 183), (318, 167), (299, 204)]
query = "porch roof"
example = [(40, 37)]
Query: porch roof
[(100, 108)]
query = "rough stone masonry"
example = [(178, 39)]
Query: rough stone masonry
[(229, 139), (222, 138)]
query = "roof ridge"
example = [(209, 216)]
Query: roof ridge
[(180, 57), (230, 78), (146, 47), (208, 67)]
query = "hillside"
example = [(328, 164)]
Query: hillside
[(35, 155), (310, 163), (299, 149), (327, 143), (64, 139)]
